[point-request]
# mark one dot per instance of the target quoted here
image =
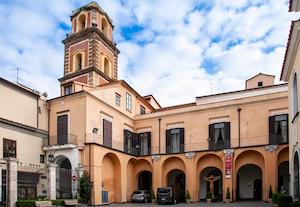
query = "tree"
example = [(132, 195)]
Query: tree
[(84, 189)]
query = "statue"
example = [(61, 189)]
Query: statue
[(211, 179)]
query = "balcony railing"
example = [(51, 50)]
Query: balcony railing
[(64, 140), (278, 139), (219, 145)]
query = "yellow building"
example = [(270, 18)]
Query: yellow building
[(125, 141)]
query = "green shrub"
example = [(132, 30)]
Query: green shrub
[(296, 204), (228, 194), (209, 195), (270, 192), (58, 202), (285, 201), (152, 195), (187, 196), (275, 198), (25, 203), (84, 189)]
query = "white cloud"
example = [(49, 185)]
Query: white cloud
[(239, 37)]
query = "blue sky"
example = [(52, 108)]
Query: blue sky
[(174, 49)]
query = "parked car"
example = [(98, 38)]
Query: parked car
[(165, 195), (141, 196)]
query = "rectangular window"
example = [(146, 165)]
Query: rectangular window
[(27, 184), (62, 129), (42, 158), (118, 100), (67, 90), (142, 110), (9, 148), (128, 102), (145, 143), (107, 133), (219, 136), (260, 84), (278, 129), (128, 141), (175, 140)]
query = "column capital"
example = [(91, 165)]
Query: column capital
[(271, 148), (155, 157), (11, 159), (52, 165)]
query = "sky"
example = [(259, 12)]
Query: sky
[(173, 49)]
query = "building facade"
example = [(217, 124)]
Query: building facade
[(23, 132), (290, 74), (125, 141)]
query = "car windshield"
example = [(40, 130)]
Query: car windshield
[(137, 192), (164, 190)]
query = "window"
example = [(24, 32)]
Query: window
[(9, 148), (107, 133), (78, 61), (67, 90), (62, 129), (81, 22), (219, 136), (295, 96), (42, 158), (142, 110), (94, 18), (278, 129), (106, 66), (104, 26), (175, 140), (27, 184), (260, 84), (128, 141), (128, 102), (145, 143), (118, 100)]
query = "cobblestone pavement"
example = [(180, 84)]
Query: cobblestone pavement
[(202, 204)]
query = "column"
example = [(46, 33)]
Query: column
[(270, 175), (52, 181), (156, 173), (1, 163), (190, 177), (229, 175), (12, 185)]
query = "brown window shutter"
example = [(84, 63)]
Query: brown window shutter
[(62, 129), (107, 133), (181, 137), (211, 136), (168, 141), (272, 137)]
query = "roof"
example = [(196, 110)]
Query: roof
[(176, 107), (260, 74), (20, 87), (288, 47), (151, 96)]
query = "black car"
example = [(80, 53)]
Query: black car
[(165, 195), (141, 196)]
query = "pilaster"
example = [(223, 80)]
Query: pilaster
[(12, 185), (52, 181)]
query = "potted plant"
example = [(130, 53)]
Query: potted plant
[(84, 189), (228, 196), (152, 196), (187, 196), (270, 194), (275, 199), (208, 197)]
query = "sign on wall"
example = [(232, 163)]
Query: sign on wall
[(228, 165)]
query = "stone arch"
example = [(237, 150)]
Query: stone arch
[(248, 157), (205, 162), (111, 177), (175, 179), (283, 178), (63, 177), (81, 22), (106, 66), (78, 61), (171, 163), (104, 26), (296, 174), (134, 168), (283, 155), (295, 95)]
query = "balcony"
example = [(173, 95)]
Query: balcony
[(278, 139), (219, 145), (63, 141)]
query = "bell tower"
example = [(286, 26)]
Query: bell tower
[(90, 56)]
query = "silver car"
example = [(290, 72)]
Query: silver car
[(141, 196)]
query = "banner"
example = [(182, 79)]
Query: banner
[(228, 165)]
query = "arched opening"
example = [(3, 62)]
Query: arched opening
[(106, 67), (63, 178), (211, 181), (249, 183), (111, 183), (81, 22), (176, 180), (78, 61), (295, 95), (296, 175), (283, 177), (104, 26), (145, 181)]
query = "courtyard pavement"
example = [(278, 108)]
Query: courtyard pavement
[(202, 204)]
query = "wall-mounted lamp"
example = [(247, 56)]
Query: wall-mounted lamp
[(95, 130), (51, 157)]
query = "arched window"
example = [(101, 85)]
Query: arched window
[(104, 26), (295, 95), (81, 22), (106, 65), (78, 61)]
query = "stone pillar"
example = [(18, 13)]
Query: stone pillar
[(12, 185), (229, 174), (156, 173), (52, 181), (271, 168), (190, 177)]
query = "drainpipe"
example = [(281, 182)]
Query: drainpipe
[(239, 125), (159, 123)]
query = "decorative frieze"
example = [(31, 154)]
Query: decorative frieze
[(190, 155), (155, 157), (228, 152), (271, 148)]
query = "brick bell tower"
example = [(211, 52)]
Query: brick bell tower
[(91, 56)]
